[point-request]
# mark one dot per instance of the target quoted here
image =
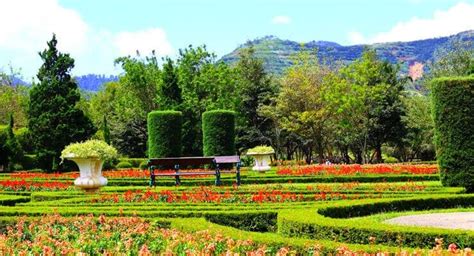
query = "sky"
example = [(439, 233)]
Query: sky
[(97, 32)]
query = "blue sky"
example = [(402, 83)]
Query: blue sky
[(96, 32)]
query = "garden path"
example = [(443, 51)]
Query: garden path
[(454, 220)]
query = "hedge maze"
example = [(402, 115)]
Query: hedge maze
[(301, 213)]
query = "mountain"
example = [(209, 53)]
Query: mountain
[(89, 82), (93, 82), (276, 52)]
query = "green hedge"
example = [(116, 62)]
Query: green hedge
[(453, 106), (123, 164), (134, 161), (11, 200), (218, 129), (249, 221), (164, 134), (275, 241), (310, 224), (356, 210)]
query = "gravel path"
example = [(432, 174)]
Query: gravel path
[(455, 220)]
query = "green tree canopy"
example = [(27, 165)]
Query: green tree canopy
[(255, 89), (54, 119)]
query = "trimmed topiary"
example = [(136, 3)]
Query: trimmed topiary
[(164, 134), (452, 106), (218, 128)]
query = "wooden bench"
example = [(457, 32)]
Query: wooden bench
[(177, 163)]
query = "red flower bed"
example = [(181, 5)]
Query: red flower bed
[(354, 169), (22, 185), (115, 174), (40, 175), (202, 195)]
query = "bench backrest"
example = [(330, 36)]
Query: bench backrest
[(182, 161), (227, 159)]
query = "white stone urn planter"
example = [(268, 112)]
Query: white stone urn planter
[(90, 173), (262, 161), (89, 157)]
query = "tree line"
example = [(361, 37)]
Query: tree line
[(357, 112)]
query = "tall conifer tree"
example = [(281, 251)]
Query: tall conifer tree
[(54, 119)]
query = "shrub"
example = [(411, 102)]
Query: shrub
[(143, 165), (29, 162), (123, 165), (3, 147), (390, 160), (164, 134), (134, 161), (24, 138), (452, 105), (110, 164), (218, 128)]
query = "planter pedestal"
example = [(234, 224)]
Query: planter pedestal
[(90, 170), (262, 161)]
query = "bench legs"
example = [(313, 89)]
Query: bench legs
[(218, 181), (177, 179), (237, 174), (218, 177), (152, 176)]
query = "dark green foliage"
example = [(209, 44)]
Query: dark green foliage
[(452, 106), (110, 164), (218, 128), (170, 91), (10, 149), (106, 131), (249, 221), (15, 152), (23, 136), (54, 120), (255, 89), (131, 139), (29, 162), (3, 147), (164, 134)]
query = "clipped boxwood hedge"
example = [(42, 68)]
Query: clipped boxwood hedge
[(218, 128), (164, 134), (275, 241), (321, 226), (453, 105)]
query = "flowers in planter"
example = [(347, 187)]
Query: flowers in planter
[(261, 150), (90, 149)]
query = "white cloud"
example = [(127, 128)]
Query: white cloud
[(27, 25), (144, 41), (281, 20), (94, 50), (443, 23)]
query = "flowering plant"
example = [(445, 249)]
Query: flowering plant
[(261, 150), (90, 149)]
